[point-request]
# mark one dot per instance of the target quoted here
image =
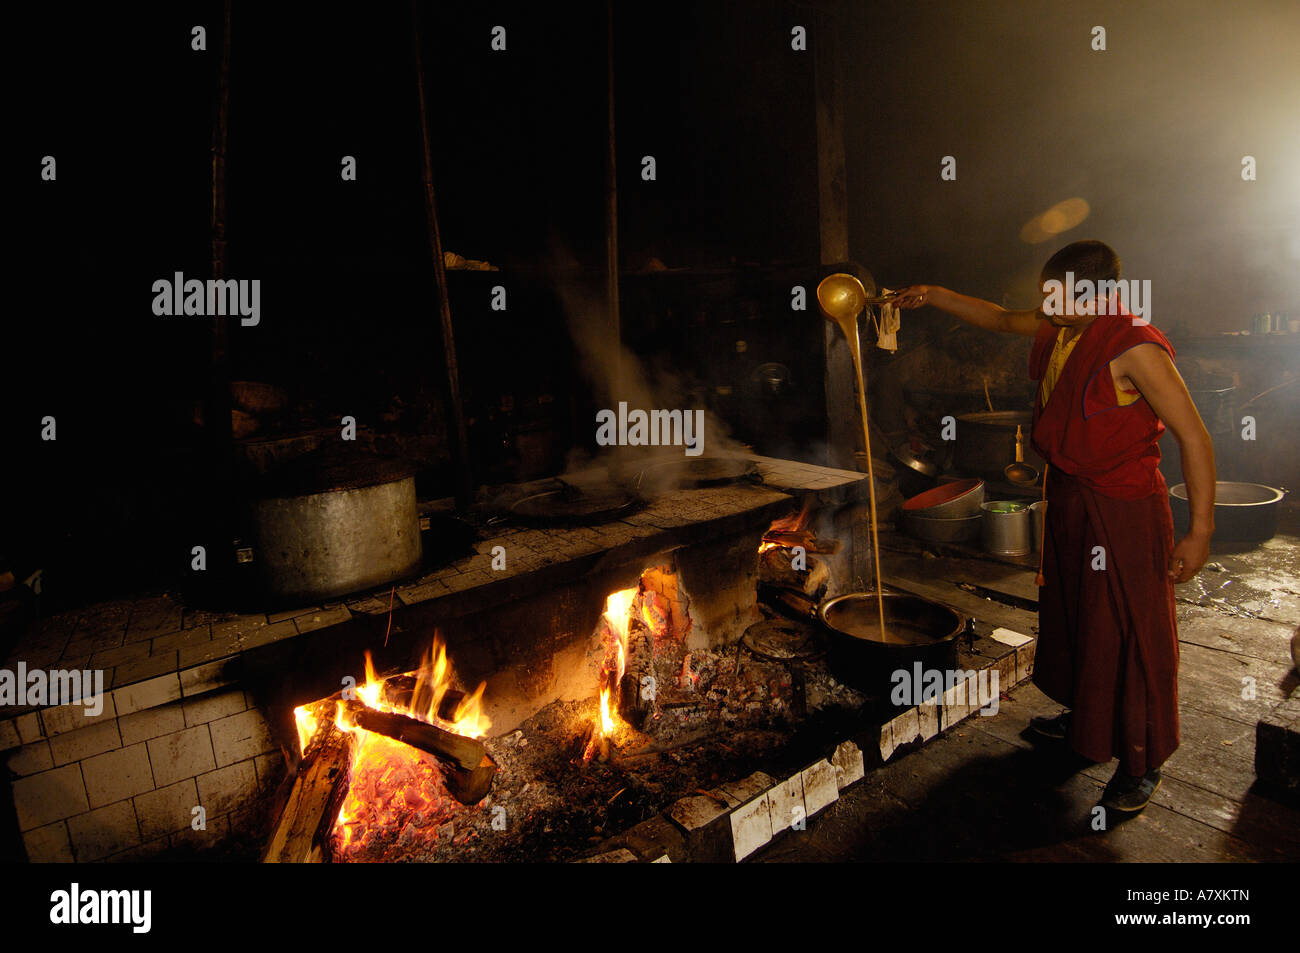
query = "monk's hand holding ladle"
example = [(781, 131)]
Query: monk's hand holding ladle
[(913, 296)]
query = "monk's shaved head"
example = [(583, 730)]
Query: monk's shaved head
[(1088, 260)]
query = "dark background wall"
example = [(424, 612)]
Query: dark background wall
[(1150, 133)]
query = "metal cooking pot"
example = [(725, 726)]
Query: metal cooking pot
[(336, 522), (857, 657), (922, 465), (1007, 528), (1243, 512)]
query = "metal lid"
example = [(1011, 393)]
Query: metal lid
[(334, 467)]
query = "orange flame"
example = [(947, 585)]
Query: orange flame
[(305, 719), (606, 719), (618, 619), (618, 614), (795, 522), (433, 680)]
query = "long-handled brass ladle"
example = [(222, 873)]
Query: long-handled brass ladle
[(1020, 472), (842, 298)]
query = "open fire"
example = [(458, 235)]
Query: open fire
[(397, 792), (790, 531), (669, 709)]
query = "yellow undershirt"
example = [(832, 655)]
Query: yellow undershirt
[(1055, 364)]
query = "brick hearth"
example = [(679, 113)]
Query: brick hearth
[(198, 704)]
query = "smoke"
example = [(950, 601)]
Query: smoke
[(1151, 133), (616, 375)]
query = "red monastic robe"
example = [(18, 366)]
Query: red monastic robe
[(1107, 642)]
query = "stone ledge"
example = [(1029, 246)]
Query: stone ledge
[(136, 642)]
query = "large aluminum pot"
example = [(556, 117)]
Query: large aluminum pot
[(329, 526), (1243, 512)]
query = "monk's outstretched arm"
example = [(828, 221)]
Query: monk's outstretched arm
[(1152, 372), (976, 311)]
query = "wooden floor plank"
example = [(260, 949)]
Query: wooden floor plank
[(1268, 641), (989, 789)]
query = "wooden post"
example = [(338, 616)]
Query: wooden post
[(611, 212), (832, 193), (459, 440), (833, 228), (217, 404)]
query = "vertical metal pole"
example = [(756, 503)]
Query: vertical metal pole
[(459, 441)]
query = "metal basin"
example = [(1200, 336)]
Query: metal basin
[(949, 501), (932, 529), (1243, 512)]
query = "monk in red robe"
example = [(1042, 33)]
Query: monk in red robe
[(1107, 643)]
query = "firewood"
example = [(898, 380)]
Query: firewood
[(470, 787), (465, 753), (811, 544), (581, 741), (636, 693), (469, 768), (303, 831), (399, 691)]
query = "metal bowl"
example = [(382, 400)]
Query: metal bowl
[(949, 501), (932, 529)]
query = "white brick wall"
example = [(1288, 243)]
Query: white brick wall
[(182, 754), (124, 784)]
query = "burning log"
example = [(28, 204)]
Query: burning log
[(639, 686), (399, 691), (776, 567), (303, 832), (590, 744), (811, 544), (470, 767)]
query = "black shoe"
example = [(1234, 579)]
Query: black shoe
[(1055, 727), (1129, 794)]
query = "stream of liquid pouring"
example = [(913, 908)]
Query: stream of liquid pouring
[(850, 328)]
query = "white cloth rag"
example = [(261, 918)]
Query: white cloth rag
[(888, 325)]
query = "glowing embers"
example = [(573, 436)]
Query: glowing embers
[(397, 800)]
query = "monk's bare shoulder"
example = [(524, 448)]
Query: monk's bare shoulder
[(1149, 363)]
